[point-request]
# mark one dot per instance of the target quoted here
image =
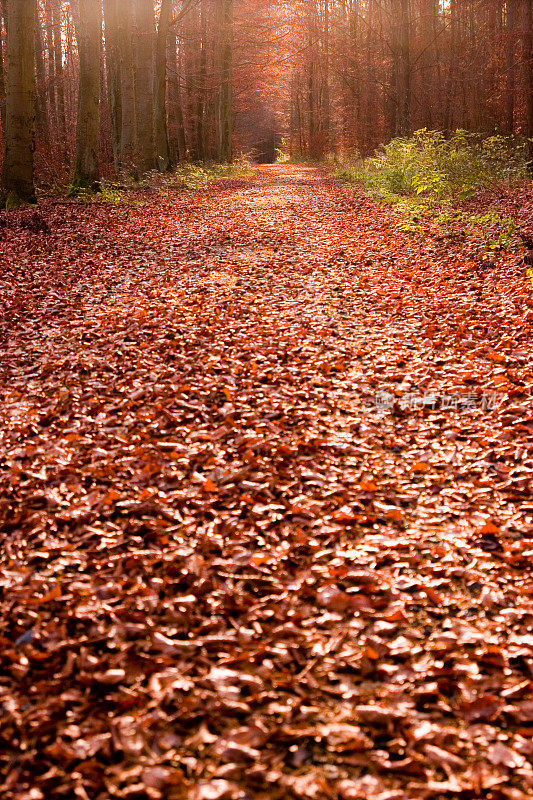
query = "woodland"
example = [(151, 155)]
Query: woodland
[(266, 399)]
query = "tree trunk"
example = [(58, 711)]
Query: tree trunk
[(41, 110), (226, 95), (528, 53), (71, 66), (17, 173), (179, 139), (392, 98), (86, 165), (143, 59), (3, 22), (112, 51), (510, 69), (428, 62), (201, 148), (326, 100), (404, 100), (452, 67), (128, 126), (58, 71), (162, 147), (311, 105)]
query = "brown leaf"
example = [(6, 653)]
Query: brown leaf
[(483, 708), (500, 755)]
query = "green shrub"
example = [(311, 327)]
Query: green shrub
[(435, 167), (428, 170), (282, 157), (111, 193)]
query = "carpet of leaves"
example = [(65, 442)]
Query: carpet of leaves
[(226, 572)]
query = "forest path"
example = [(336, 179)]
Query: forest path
[(229, 571)]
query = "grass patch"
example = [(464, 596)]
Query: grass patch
[(426, 176)]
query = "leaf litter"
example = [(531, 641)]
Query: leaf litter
[(227, 572)]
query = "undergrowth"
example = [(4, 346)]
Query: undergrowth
[(194, 176), (426, 176), (186, 177)]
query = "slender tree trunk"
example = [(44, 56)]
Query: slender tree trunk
[(41, 107), (3, 21), (201, 87), (51, 62), (58, 71), (452, 68), (299, 116), (71, 66), (112, 51), (311, 109), (175, 100), (17, 173), (143, 51), (370, 69), (226, 95), (41, 110), (427, 59), (404, 103), (128, 126), (510, 68), (392, 110), (326, 100), (86, 165), (356, 74), (162, 147), (528, 53)]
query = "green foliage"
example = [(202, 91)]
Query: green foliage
[(497, 232), (281, 156), (112, 193), (196, 176), (186, 177), (428, 171), (430, 165)]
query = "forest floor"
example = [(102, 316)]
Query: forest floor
[(266, 501)]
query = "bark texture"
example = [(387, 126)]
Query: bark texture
[(162, 148), (144, 72), (86, 167), (18, 172)]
